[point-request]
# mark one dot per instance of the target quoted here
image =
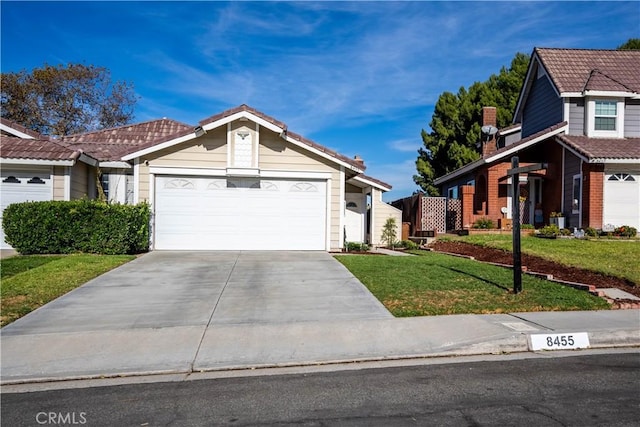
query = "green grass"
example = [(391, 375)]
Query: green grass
[(437, 284), (29, 282), (609, 256)]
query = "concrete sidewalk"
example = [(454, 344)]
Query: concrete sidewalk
[(185, 312), (187, 349)]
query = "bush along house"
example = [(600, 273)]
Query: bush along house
[(578, 112)]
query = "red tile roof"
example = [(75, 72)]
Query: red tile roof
[(20, 128), (601, 148), (112, 144), (36, 149), (576, 70)]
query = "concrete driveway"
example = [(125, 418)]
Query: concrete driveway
[(180, 311), (168, 289)]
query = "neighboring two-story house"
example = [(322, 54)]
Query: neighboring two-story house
[(579, 112)]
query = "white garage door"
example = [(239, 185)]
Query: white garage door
[(18, 185), (201, 213), (622, 199)]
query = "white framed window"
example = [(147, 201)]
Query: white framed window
[(576, 194), (605, 117)]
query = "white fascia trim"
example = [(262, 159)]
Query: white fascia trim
[(260, 121), (67, 183), (527, 144), (158, 147), (328, 216), (294, 174), (468, 168), (37, 162), (136, 181), (370, 183), (115, 165), (342, 209), (574, 152), (178, 170), (240, 115), (15, 132), (604, 93), (614, 161), (511, 130)]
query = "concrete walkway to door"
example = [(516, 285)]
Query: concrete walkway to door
[(161, 312)]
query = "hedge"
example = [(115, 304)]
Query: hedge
[(89, 226)]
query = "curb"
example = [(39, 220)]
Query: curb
[(518, 343)]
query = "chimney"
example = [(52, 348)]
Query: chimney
[(359, 160), (489, 143)]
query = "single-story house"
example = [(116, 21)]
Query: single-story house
[(239, 180)]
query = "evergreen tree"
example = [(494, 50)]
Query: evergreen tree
[(455, 124)]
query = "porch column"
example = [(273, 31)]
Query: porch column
[(468, 192)]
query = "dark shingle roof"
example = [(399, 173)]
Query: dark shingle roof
[(576, 70), (601, 148)]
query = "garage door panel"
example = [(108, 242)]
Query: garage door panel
[(622, 199), (243, 214), (17, 186)]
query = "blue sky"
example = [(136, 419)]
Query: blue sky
[(358, 77)]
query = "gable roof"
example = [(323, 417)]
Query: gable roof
[(577, 70), (244, 111), (580, 72), (111, 144), (11, 128), (503, 152)]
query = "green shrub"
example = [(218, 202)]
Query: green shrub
[(89, 226), (527, 227), (591, 232), (565, 232), (408, 244), (353, 246), (625, 231), (549, 231), (484, 223)]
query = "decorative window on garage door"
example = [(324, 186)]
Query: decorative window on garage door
[(179, 184), (304, 187), (620, 177)]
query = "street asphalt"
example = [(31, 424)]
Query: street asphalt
[(186, 312)]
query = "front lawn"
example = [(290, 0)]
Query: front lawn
[(609, 256), (27, 282), (437, 284)]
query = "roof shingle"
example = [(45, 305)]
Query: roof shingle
[(601, 148), (36, 149), (576, 70)]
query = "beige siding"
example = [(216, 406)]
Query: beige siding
[(58, 182), (208, 151), (79, 180), (143, 182), (382, 211)]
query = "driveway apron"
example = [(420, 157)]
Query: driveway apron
[(154, 313)]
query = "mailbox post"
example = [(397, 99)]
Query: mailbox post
[(515, 172)]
